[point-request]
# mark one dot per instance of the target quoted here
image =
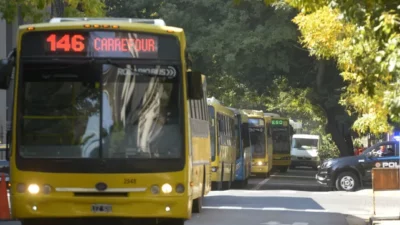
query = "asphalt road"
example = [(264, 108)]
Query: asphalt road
[(292, 198)]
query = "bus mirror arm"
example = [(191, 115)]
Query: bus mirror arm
[(6, 69), (195, 87), (8, 142)]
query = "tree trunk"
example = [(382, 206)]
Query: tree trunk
[(344, 145), (57, 8)]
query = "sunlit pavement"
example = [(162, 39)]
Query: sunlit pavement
[(292, 198)]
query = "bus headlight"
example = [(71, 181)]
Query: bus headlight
[(155, 189), (180, 188), (166, 188), (260, 163), (33, 189), (214, 169)]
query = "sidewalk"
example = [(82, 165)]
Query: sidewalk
[(387, 212)]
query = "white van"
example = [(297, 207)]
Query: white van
[(304, 151)]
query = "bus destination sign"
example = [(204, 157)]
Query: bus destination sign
[(277, 122), (106, 44)]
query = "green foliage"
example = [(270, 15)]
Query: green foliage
[(363, 37), (35, 10)]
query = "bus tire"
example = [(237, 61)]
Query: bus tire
[(283, 169), (198, 203)]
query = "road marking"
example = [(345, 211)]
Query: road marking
[(265, 209), (290, 176), (288, 192), (272, 208), (311, 185), (260, 184), (230, 207)]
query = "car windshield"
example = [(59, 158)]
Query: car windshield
[(305, 144), (98, 111)]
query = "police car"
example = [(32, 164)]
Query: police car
[(352, 172)]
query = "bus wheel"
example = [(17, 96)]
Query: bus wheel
[(197, 205)]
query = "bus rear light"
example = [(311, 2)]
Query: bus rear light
[(180, 188), (21, 188), (166, 188), (214, 168), (155, 189)]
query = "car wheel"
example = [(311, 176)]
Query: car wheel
[(347, 181)]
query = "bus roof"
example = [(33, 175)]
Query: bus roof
[(159, 22), (244, 116), (272, 114), (306, 136), (254, 113), (218, 107), (122, 25)]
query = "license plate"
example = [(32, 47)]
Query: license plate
[(101, 208)]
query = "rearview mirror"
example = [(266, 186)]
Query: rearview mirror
[(195, 86)]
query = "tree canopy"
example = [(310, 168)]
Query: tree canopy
[(35, 10), (363, 38)]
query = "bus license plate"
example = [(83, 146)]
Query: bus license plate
[(101, 208)]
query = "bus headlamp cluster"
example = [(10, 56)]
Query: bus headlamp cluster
[(260, 163), (167, 188), (34, 188)]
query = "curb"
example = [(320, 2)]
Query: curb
[(353, 220)]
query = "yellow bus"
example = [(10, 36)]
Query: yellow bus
[(223, 145), (261, 163), (108, 122), (281, 134), (269, 140)]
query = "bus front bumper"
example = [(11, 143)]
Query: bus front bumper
[(280, 162), (259, 169), (34, 207)]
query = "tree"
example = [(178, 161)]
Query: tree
[(35, 10), (364, 39)]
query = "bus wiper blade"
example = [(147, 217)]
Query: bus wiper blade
[(156, 70)]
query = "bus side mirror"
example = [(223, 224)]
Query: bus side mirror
[(195, 87), (6, 69)]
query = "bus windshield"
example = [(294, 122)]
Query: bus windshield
[(305, 144), (98, 111), (281, 141), (257, 137)]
